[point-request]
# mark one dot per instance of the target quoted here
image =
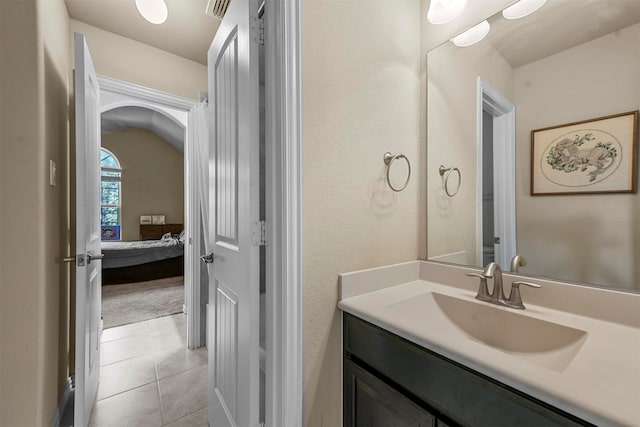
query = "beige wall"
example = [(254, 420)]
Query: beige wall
[(152, 178), (591, 238), (34, 298), (360, 99), (125, 59), (452, 127)]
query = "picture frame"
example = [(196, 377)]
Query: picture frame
[(145, 219), (595, 156), (158, 219)]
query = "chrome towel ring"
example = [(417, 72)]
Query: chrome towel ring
[(446, 172), (388, 160)]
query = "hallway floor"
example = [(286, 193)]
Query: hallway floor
[(148, 376)]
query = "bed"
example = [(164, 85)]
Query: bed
[(128, 262)]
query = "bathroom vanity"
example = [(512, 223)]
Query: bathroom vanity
[(398, 383), (420, 350)]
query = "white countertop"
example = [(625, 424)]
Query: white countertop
[(600, 384)]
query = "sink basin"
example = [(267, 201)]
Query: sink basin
[(544, 343)]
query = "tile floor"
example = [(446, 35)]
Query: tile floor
[(148, 376)]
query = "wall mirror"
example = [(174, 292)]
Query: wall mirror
[(570, 61)]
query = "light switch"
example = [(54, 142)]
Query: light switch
[(52, 173)]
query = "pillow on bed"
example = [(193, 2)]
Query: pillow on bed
[(181, 237), (166, 236)]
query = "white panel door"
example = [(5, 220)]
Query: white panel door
[(234, 287), (88, 251)]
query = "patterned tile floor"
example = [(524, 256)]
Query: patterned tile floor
[(148, 376)]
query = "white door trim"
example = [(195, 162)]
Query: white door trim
[(142, 93), (118, 93), (192, 247), (504, 171), (284, 376)]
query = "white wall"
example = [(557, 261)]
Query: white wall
[(591, 238), (361, 68), (125, 59)]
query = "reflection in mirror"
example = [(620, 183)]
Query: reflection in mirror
[(571, 61)]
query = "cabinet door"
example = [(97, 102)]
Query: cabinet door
[(369, 402)]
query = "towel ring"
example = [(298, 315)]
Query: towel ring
[(388, 160), (444, 170)]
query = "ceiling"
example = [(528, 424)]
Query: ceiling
[(144, 118), (188, 32), (559, 25)]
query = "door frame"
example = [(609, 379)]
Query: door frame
[(504, 167), (283, 175), (118, 93)]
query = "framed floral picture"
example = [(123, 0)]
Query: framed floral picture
[(592, 156)]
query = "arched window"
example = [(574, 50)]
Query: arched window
[(110, 193)]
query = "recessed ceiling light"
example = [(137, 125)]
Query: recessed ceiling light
[(522, 8), (473, 35), (442, 11), (154, 11)]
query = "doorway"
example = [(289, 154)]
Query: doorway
[(496, 219), (147, 370), (167, 116)]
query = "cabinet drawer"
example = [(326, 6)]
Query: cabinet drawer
[(463, 395)]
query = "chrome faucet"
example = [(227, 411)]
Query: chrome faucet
[(493, 271), (517, 262)]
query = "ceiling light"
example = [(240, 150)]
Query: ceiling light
[(522, 8), (442, 11), (154, 11), (473, 35)]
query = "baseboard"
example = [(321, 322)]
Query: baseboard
[(65, 408)]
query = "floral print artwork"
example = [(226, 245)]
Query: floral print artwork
[(584, 157)]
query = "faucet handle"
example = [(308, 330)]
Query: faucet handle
[(519, 282), (483, 291), (515, 299)]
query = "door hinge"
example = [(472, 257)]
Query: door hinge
[(257, 25), (259, 233)]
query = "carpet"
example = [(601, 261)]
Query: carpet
[(135, 302)]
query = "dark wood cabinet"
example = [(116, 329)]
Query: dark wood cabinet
[(387, 378), (373, 403)]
